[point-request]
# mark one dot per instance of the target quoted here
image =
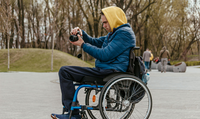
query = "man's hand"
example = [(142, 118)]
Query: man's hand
[(79, 42), (75, 30)]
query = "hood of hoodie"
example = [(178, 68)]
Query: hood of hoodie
[(115, 16)]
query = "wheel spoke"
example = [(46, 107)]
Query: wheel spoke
[(128, 97)]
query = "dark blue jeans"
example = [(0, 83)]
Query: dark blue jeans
[(146, 64), (68, 74)]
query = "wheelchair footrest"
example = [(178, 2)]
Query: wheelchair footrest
[(83, 107), (84, 115)]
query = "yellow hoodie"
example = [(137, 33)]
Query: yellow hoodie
[(115, 16)]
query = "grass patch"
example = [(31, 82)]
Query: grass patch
[(37, 60), (192, 56), (192, 63), (188, 63)]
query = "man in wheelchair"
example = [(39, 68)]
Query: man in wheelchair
[(111, 53)]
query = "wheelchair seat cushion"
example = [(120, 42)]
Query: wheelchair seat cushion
[(92, 80), (114, 74), (100, 81)]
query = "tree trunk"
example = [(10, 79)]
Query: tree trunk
[(199, 48), (23, 32), (145, 33), (45, 30), (12, 28), (184, 53), (96, 27), (19, 20), (87, 19)]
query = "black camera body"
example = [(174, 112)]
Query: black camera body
[(74, 38)]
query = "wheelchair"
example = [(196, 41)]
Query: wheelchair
[(120, 95)]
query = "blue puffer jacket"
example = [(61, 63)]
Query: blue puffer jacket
[(111, 51)]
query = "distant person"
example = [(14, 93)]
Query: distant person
[(168, 63), (151, 59), (156, 60), (164, 56), (146, 58)]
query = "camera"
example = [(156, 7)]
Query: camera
[(74, 38)]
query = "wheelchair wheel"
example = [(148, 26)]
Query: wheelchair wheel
[(94, 114), (128, 96)]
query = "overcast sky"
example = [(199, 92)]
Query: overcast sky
[(192, 2)]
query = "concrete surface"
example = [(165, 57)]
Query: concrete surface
[(175, 95), (25, 95)]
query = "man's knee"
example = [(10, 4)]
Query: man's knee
[(62, 69), (63, 72)]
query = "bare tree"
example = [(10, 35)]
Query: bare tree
[(6, 18), (193, 32), (155, 22), (138, 14)]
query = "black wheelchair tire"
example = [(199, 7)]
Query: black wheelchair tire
[(113, 80)]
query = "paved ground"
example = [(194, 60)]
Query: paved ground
[(25, 95)]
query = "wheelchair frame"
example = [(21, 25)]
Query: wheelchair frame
[(82, 107), (96, 86)]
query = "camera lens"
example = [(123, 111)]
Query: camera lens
[(74, 38)]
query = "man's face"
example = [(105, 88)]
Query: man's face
[(106, 25)]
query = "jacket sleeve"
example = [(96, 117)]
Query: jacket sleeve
[(120, 42), (151, 58), (160, 55), (168, 54), (93, 41)]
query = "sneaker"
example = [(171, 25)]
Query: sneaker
[(76, 116), (65, 116), (60, 116)]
